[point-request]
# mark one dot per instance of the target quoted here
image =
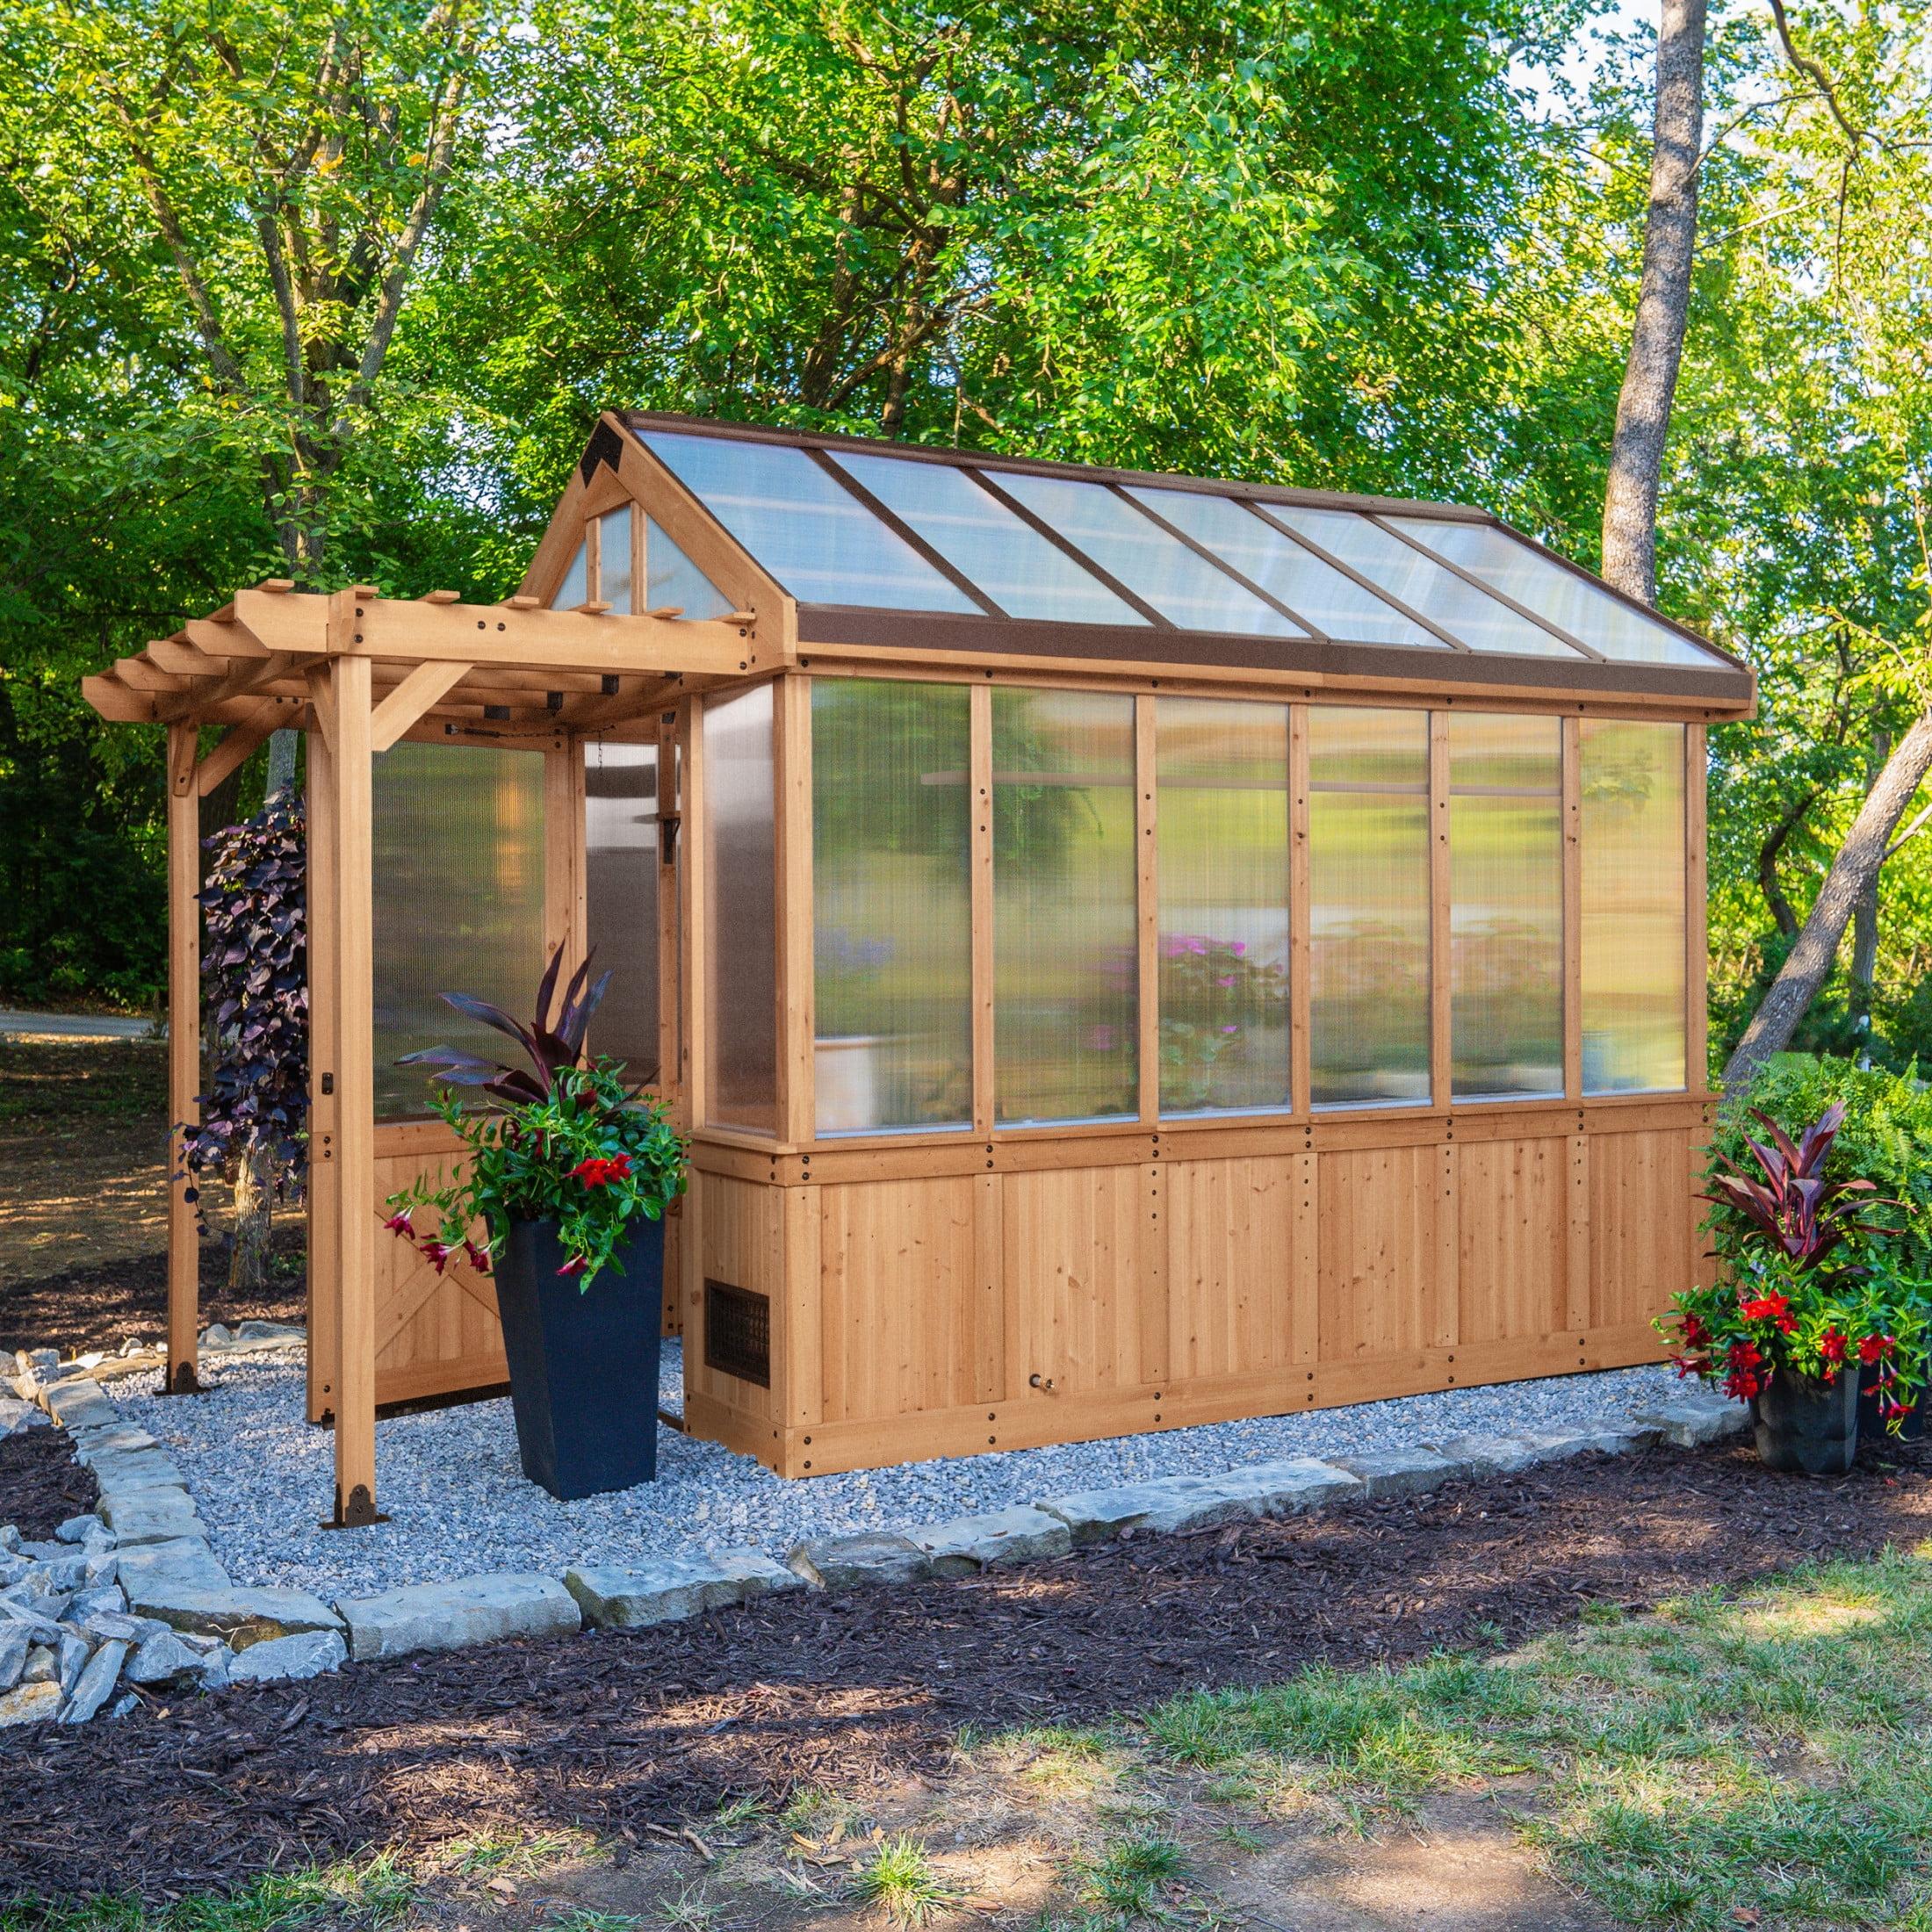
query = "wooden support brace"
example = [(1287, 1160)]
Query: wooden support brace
[(410, 699), (237, 742)]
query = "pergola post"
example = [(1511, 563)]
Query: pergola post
[(324, 1103), (348, 704), (184, 1054)]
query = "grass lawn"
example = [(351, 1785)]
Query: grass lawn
[(1751, 1759)]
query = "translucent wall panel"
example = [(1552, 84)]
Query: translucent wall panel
[(621, 900), (1633, 907), (1368, 914), (741, 964), (892, 938), (1185, 587), (974, 532), (1573, 602), (1505, 905), (804, 526), (674, 582), (613, 558), (1222, 824), (1422, 583), (1332, 602), (575, 588), (456, 870), (1066, 958)]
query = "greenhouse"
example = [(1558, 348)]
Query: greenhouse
[(1126, 951)]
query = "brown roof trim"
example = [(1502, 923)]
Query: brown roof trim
[(914, 632), (1250, 493)]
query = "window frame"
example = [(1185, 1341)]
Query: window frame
[(792, 800)]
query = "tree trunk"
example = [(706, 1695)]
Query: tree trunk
[(1865, 914), (1663, 301), (1809, 962), (1768, 853), (281, 764), (253, 1206)]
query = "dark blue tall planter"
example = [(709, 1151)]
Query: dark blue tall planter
[(583, 1361)]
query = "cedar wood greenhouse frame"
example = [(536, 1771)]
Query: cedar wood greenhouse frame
[(1127, 951)]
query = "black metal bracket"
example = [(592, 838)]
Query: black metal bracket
[(360, 1513)]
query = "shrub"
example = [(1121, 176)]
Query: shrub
[(1819, 1272), (564, 1142)]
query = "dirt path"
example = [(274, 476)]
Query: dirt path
[(619, 1733), (83, 1213)]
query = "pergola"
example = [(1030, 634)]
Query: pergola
[(1127, 950)]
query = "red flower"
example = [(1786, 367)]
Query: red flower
[(599, 1172), (400, 1224), (1831, 1346), (1740, 1384), (479, 1257), (1872, 1347), (1744, 1356), (1695, 1334), (437, 1253), (1766, 1308), (576, 1265), (1787, 1324)]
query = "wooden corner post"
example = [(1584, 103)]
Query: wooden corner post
[(355, 1094), (325, 1001), (184, 1054)]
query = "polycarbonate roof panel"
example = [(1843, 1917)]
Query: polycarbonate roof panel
[(1185, 588), (1422, 583), (976, 533), (813, 535), (1603, 622), (1332, 602)]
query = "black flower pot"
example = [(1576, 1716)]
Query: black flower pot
[(1806, 1427), (583, 1361), (1912, 1425)]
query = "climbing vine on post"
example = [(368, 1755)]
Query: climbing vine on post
[(255, 989)]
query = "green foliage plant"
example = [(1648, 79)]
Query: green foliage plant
[(1806, 1282), (900, 1880), (563, 1143)]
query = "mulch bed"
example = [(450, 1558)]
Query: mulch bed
[(41, 1484), (618, 1731), (96, 1307)]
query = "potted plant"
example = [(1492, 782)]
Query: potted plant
[(570, 1172), (1807, 1294)]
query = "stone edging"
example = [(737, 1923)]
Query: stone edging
[(133, 1594)]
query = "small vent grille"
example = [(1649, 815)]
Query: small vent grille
[(738, 1332)]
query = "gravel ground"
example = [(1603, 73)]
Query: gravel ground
[(449, 1479)]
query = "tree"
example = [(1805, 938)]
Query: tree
[(1663, 303), (1860, 148)]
